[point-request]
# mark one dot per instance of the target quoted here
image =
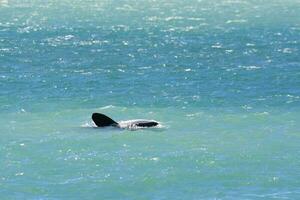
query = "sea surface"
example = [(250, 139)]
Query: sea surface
[(222, 77)]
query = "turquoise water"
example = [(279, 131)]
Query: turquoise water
[(223, 77)]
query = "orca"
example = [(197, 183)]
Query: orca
[(102, 120)]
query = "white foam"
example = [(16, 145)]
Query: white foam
[(3, 2), (251, 67), (89, 125), (106, 107), (173, 18), (195, 19), (236, 21)]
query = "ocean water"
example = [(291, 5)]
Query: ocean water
[(222, 76)]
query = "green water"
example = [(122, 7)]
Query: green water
[(222, 77)]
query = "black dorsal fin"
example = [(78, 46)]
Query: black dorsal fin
[(102, 120)]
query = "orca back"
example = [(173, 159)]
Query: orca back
[(147, 124)]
